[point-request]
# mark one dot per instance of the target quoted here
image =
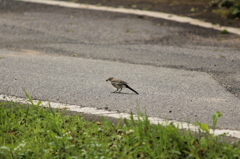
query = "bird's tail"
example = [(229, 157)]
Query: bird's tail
[(131, 89)]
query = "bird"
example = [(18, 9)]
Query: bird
[(119, 84)]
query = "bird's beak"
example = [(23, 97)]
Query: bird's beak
[(106, 79)]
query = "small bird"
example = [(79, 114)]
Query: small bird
[(119, 84)]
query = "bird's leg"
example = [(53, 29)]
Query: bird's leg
[(116, 91), (120, 90)]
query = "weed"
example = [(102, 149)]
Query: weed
[(34, 131), (227, 8)]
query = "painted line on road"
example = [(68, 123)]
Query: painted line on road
[(154, 14), (115, 114)]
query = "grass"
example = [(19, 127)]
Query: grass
[(35, 132)]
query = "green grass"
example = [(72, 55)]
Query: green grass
[(39, 132)]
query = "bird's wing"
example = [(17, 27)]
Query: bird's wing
[(118, 81)]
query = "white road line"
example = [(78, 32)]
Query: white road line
[(114, 114), (154, 14)]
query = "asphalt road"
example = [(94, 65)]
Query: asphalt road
[(182, 72)]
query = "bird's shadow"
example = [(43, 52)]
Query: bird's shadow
[(124, 93)]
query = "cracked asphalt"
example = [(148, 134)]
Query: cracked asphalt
[(181, 71)]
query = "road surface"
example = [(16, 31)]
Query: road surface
[(181, 72)]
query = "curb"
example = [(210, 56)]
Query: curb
[(94, 114), (166, 16)]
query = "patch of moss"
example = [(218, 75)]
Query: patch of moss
[(224, 31)]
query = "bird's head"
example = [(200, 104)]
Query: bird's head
[(109, 79)]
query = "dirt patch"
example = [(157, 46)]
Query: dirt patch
[(18, 52)]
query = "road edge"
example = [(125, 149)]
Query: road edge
[(154, 14), (91, 113)]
